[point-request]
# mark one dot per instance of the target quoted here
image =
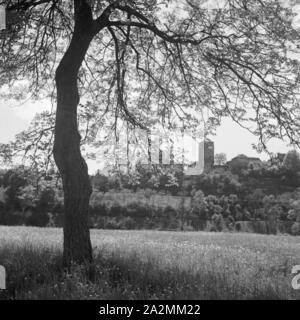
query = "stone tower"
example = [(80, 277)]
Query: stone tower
[(205, 159), (206, 154)]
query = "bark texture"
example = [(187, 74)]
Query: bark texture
[(72, 166)]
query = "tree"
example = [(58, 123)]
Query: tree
[(100, 182), (239, 164), (198, 205), (220, 159), (292, 161), (2, 195), (27, 197), (124, 57)]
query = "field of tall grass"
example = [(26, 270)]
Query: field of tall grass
[(150, 265)]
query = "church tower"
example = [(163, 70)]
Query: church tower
[(207, 154)]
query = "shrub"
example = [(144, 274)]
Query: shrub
[(215, 183), (217, 220), (100, 182), (199, 205), (213, 229), (295, 229), (46, 200), (116, 210), (99, 210), (127, 223), (37, 218), (98, 222), (230, 223), (111, 223), (238, 226), (135, 209), (169, 218), (188, 227)]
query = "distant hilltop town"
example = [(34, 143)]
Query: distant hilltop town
[(165, 152), (206, 161)]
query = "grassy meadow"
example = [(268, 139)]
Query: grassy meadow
[(150, 265)]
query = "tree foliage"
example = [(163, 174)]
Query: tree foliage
[(292, 161), (220, 158), (162, 61)]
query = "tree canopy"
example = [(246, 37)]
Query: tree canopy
[(162, 61)]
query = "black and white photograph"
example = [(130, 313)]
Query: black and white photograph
[(149, 151)]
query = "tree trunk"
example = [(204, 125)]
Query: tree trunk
[(128, 149), (72, 166), (149, 146)]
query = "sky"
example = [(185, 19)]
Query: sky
[(230, 138)]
